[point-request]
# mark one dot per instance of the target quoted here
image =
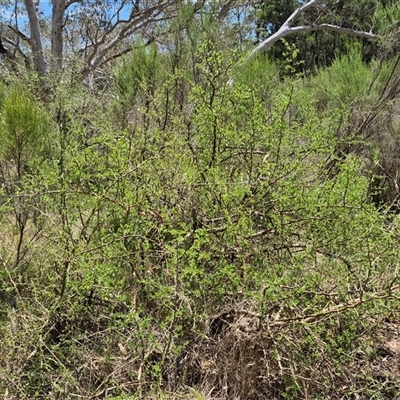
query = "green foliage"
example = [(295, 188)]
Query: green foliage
[(188, 231), (137, 72), (346, 82), (387, 17), (321, 48), (24, 127)]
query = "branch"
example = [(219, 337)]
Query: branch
[(17, 49), (20, 34), (230, 5), (70, 2), (339, 308), (287, 29), (123, 52), (134, 24), (225, 9), (299, 11), (335, 28)]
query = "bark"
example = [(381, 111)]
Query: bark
[(230, 5), (3, 50), (36, 36), (287, 29), (225, 9), (56, 31)]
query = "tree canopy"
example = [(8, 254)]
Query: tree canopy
[(98, 32)]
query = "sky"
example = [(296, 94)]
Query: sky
[(7, 13)]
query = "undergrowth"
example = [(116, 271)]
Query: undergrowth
[(193, 235)]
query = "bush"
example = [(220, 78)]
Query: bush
[(203, 246)]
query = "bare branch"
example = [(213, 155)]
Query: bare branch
[(16, 47), (20, 34), (335, 28), (225, 9), (136, 22), (286, 29), (300, 10), (123, 52)]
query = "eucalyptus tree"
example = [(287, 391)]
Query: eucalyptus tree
[(95, 30), (100, 31)]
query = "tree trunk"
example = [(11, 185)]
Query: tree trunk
[(36, 37), (56, 32)]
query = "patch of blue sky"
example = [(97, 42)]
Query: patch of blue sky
[(8, 14), (45, 8)]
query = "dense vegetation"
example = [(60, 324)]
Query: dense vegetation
[(320, 48), (195, 224)]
